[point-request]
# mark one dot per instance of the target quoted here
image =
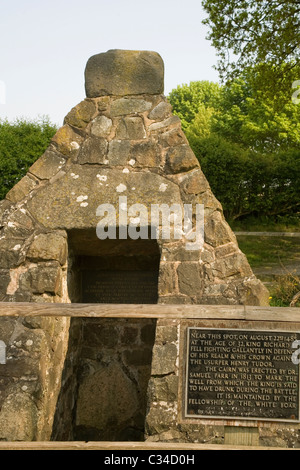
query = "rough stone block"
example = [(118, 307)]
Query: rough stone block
[(195, 183), (131, 128), (164, 359), (120, 72), (21, 189), (146, 154), (101, 126), (81, 114), (67, 141), (47, 247), (180, 159), (118, 152), (47, 165), (164, 389), (216, 230), (93, 150), (190, 279), (162, 111), (42, 279), (128, 105)]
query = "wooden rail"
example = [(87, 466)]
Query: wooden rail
[(156, 447), (224, 312)]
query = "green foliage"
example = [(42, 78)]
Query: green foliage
[(247, 182), (284, 290), (187, 99), (21, 144), (248, 145), (253, 119), (255, 32)]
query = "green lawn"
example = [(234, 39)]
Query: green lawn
[(262, 251), (268, 255), (267, 224)]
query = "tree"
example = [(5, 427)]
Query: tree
[(248, 149), (21, 144), (256, 33), (188, 99), (255, 120)]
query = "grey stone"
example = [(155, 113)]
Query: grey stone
[(124, 106), (100, 405), (47, 165), (21, 189), (19, 225), (24, 428), (163, 125), (164, 359), (147, 154), (47, 247), (172, 137), (42, 279), (164, 389), (93, 151), (101, 126), (131, 128), (161, 111), (119, 152), (120, 72), (81, 114), (166, 334), (180, 159), (10, 253), (80, 192), (67, 141), (216, 230), (195, 182), (167, 279), (190, 278)]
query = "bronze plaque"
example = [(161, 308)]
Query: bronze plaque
[(120, 287), (241, 374)]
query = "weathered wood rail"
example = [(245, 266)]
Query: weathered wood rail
[(155, 447), (222, 312)]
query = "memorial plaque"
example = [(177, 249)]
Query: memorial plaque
[(120, 287), (241, 374)]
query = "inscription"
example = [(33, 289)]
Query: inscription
[(120, 287), (241, 374)]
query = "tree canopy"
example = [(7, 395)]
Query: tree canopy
[(21, 143), (248, 148), (260, 33)]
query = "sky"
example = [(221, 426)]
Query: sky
[(45, 46)]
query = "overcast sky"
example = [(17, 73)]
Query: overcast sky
[(45, 46)]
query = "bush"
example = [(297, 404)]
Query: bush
[(21, 143), (247, 182), (284, 291)]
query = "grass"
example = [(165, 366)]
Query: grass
[(267, 224), (263, 251), (283, 291), (272, 253)]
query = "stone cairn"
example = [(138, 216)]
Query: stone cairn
[(122, 140)]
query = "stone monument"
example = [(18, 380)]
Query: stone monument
[(122, 146)]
